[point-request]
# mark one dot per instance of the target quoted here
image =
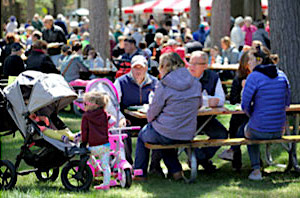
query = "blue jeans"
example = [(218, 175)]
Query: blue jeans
[(215, 130), (253, 149), (150, 135)]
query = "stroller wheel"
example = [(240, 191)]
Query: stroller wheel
[(8, 176), (73, 180), (77, 110), (126, 179), (47, 175)]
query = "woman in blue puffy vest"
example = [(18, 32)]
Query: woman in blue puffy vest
[(265, 97)]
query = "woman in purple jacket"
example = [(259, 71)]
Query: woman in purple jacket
[(172, 115), (264, 100)]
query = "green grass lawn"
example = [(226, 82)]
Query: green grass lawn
[(223, 183)]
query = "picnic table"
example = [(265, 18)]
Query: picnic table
[(288, 142), (217, 66)]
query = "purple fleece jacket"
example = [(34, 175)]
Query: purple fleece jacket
[(173, 111)]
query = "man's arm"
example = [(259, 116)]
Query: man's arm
[(218, 99)]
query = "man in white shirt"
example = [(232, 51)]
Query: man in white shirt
[(213, 96)]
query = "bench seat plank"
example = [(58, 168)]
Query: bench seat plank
[(224, 142)]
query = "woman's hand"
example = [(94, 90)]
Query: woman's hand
[(122, 122)]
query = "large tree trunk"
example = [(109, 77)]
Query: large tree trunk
[(220, 21), (237, 8), (30, 9), (99, 27), (285, 34), (195, 15), (253, 8)]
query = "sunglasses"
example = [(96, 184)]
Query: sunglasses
[(90, 104)]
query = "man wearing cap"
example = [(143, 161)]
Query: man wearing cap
[(55, 35), (13, 64), (237, 35), (133, 89)]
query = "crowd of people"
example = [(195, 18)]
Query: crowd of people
[(181, 83)]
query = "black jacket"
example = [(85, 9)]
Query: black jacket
[(39, 61), (13, 66), (55, 34)]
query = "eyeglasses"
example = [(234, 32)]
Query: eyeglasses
[(196, 64)]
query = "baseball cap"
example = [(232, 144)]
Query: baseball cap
[(139, 60), (16, 47)]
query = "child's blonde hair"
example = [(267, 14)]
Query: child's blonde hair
[(96, 100)]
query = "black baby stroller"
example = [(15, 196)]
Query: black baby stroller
[(44, 94)]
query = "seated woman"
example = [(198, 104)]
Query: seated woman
[(172, 115), (73, 64), (264, 100)]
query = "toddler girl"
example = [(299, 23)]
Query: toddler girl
[(94, 131)]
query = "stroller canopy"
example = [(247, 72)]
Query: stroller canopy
[(45, 90)]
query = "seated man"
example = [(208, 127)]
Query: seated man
[(213, 96), (133, 89)]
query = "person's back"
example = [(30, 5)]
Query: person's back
[(39, 60), (13, 64), (270, 86), (182, 96)]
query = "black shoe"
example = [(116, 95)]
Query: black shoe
[(208, 166), (237, 160), (157, 171)]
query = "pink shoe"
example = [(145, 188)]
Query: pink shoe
[(102, 187), (113, 183)]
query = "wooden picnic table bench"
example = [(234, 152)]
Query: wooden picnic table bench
[(291, 138)]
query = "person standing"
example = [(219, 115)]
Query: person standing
[(237, 35), (55, 37), (249, 29)]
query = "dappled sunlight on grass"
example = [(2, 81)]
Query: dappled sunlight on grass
[(223, 183)]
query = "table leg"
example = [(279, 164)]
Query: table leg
[(194, 166)]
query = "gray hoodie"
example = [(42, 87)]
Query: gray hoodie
[(173, 111)]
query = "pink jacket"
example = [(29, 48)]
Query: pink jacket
[(249, 32)]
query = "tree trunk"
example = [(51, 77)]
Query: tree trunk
[(285, 34), (99, 25), (120, 9), (57, 7), (30, 9), (253, 8), (220, 21), (195, 14), (237, 8)]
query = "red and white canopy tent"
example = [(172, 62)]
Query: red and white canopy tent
[(172, 6)]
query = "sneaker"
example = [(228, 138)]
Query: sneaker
[(226, 155), (102, 187), (255, 175), (178, 175)]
